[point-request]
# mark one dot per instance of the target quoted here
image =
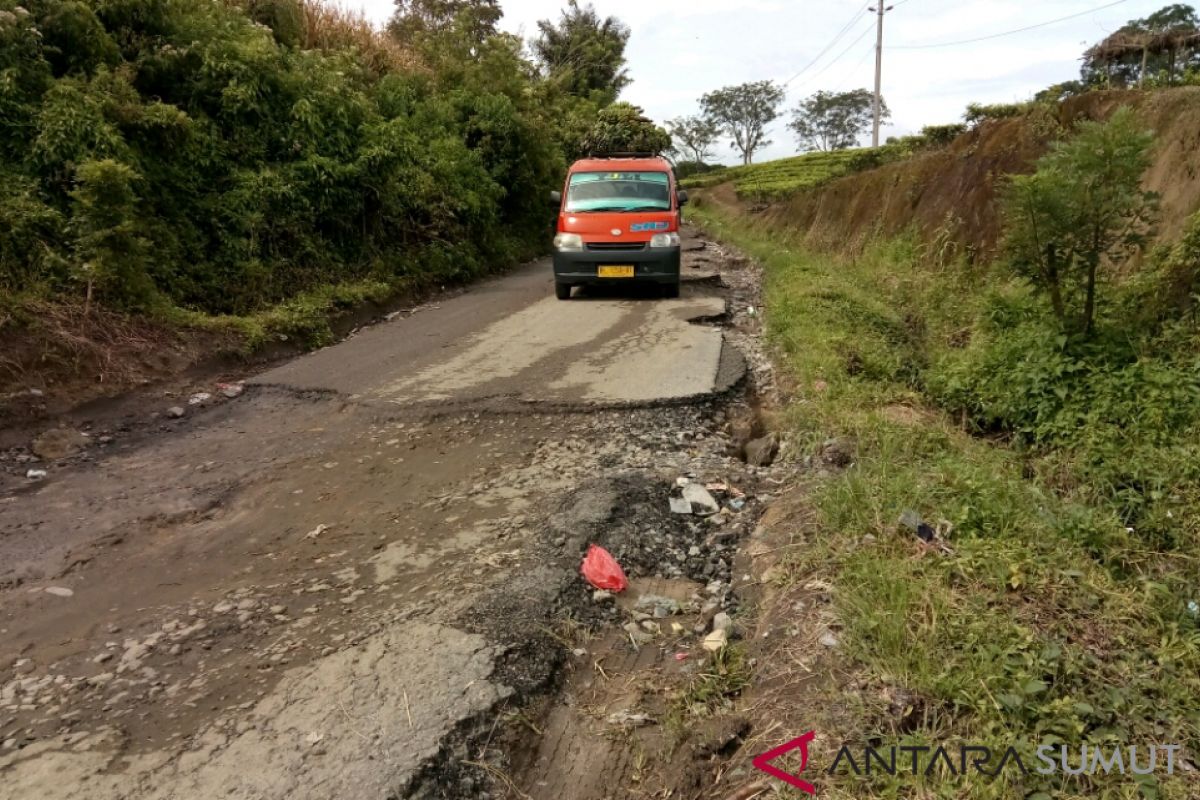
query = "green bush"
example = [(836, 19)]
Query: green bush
[(978, 113), (942, 135), (691, 169), (1083, 210), (204, 156)]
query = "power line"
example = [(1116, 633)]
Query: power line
[(842, 54), (1005, 33), (845, 29)]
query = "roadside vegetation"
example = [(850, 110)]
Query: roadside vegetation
[(774, 179), (258, 163), (1052, 454)]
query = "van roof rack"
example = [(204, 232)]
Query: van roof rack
[(632, 154)]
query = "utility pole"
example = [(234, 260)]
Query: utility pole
[(880, 10)]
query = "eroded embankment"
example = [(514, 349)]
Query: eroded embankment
[(998, 545), (949, 194)]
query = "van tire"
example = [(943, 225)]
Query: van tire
[(670, 290), (562, 291)]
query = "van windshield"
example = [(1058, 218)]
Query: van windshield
[(619, 191)]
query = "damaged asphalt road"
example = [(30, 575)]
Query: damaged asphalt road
[(336, 584)]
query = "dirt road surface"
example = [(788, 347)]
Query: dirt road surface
[(339, 582)]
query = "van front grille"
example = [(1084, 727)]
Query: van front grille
[(601, 247)]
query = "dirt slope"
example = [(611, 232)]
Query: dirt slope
[(950, 193)]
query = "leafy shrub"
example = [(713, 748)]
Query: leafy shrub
[(110, 253), (690, 169), (978, 113), (1081, 209), (942, 135)]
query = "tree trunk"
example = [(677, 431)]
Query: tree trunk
[(1052, 285), (1142, 72), (1089, 308)]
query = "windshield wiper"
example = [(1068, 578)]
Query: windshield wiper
[(621, 209)]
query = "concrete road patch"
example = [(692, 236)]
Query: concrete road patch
[(595, 350), (358, 723)]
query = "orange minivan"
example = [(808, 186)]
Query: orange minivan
[(618, 221)]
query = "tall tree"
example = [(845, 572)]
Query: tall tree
[(422, 20), (744, 112), (693, 137), (583, 53), (834, 120), (1124, 59)]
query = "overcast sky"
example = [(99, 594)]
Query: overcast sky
[(681, 49)]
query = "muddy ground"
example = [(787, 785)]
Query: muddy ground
[(357, 574)]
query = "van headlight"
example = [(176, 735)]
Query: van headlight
[(664, 240), (568, 242)]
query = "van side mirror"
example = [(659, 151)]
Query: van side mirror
[(556, 198), (682, 195)]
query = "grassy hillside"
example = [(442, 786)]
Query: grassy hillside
[(1056, 469), (775, 179)]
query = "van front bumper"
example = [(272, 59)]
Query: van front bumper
[(660, 265)]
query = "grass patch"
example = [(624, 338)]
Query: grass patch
[(1060, 611), (724, 676), (304, 318), (773, 179)]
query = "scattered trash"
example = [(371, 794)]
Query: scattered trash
[(1193, 607), (913, 521), (680, 506), (317, 531), (682, 656), (579, 652), (682, 481), (602, 570), (750, 311), (231, 390), (599, 596), (199, 398), (58, 591), (701, 501), (657, 605), (717, 487), (175, 412), (716, 640), (636, 634), (828, 640), (737, 503), (36, 474), (676, 628), (629, 720), (722, 622)]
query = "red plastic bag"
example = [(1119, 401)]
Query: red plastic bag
[(602, 570)]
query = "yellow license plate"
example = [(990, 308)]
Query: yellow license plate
[(623, 271)]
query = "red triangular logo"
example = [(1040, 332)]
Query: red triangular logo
[(763, 762)]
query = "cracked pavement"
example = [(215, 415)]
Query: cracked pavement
[(315, 589)]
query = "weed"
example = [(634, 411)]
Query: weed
[(1047, 618)]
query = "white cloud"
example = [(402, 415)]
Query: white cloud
[(681, 49)]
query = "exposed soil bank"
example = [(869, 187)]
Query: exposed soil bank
[(950, 194)]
